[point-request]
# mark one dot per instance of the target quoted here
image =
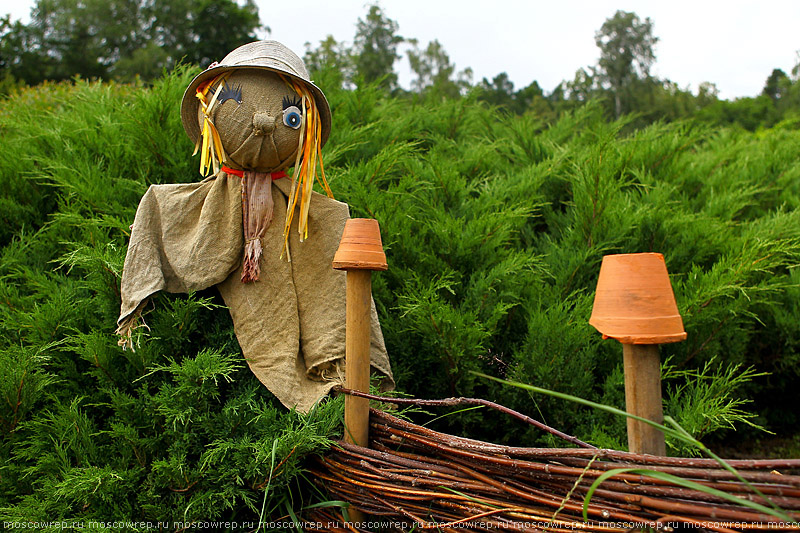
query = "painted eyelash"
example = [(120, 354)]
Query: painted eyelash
[(292, 101), (230, 93)]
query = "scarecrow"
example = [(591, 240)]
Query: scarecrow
[(242, 229)]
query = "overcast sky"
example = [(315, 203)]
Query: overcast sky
[(734, 44)]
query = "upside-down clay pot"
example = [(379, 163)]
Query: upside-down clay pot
[(361, 247), (634, 302)]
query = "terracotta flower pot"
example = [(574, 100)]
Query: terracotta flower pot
[(361, 247), (634, 303)]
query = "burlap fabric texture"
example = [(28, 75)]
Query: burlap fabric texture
[(291, 323)]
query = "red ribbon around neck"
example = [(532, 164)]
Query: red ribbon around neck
[(240, 173)]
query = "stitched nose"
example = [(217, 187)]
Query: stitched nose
[(263, 123)]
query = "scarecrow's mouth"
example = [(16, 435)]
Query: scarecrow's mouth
[(258, 152)]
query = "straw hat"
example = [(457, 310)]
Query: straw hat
[(263, 55)]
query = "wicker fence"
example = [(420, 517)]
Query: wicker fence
[(414, 478)]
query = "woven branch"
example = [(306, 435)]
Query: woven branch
[(421, 479), (457, 402)]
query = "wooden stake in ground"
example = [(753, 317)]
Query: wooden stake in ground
[(356, 410), (634, 304), (360, 252), (643, 397)]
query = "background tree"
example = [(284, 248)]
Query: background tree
[(532, 97), (331, 60), (435, 73), (203, 31), (707, 93), (626, 54), (583, 85), (779, 102), (776, 84), (121, 39), (84, 38), (789, 104), (498, 92), (17, 61), (375, 48)]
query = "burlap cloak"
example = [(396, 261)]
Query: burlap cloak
[(290, 324)]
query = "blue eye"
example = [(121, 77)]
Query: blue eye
[(292, 117)]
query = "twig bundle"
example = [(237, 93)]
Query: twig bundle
[(422, 479)]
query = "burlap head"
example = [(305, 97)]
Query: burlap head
[(266, 55), (249, 117)]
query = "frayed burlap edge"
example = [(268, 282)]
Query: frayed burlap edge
[(128, 325)]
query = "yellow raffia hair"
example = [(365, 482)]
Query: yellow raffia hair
[(305, 166), (209, 144)]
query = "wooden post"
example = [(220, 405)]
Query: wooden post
[(360, 252), (634, 304), (643, 397), (356, 410)]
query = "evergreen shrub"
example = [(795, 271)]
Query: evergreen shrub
[(494, 227)]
